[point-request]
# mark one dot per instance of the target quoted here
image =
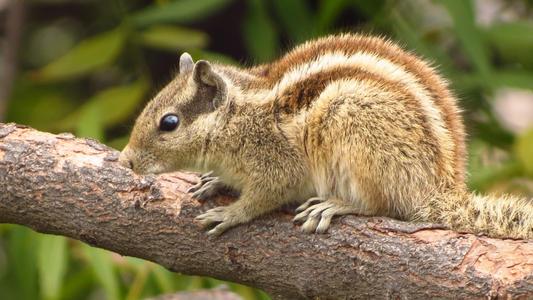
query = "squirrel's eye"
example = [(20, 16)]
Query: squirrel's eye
[(169, 122)]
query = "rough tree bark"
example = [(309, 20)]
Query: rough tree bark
[(74, 187)]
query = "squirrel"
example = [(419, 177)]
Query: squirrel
[(344, 124)]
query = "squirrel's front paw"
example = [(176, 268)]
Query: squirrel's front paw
[(207, 187), (223, 216)]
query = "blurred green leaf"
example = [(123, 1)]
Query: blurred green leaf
[(513, 41), (78, 284), (262, 295), (22, 259), (372, 9), (212, 56), (327, 12), (245, 292), (259, 33), (190, 283), (89, 55), (109, 107), (38, 106), (139, 281), (181, 282), (52, 263), (297, 19), (164, 278), (524, 151), (499, 78), (119, 143), (493, 133), (90, 124), (103, 268), (408, 34), (177, 11), (172, 38), (137, 263), (483, 178), (518, 79), (462, 13)]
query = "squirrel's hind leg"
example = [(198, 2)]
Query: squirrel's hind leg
[(316, 213)]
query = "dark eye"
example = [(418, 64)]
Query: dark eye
[(169, 122)]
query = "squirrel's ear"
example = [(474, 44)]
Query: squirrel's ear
[(204, 75), (186, 63)]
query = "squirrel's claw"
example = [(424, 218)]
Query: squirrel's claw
[(205, 175), (220, 215), (316, 213), (204, 178), (211, 216), (208, 186), (209, 189), (219, 229), (309, 202)]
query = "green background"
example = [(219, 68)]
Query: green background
[(89, 66)]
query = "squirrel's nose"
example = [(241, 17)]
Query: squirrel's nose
[(124, 160)]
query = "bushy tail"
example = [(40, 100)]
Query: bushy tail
[(496, 216)]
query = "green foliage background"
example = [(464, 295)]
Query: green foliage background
[(92, 75)]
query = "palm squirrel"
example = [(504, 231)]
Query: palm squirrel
[(345, 124)]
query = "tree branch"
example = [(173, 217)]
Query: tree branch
[(75, 187)]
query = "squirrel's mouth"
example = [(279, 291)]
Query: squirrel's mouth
[(152, 169), (140, 163), (146, 168)]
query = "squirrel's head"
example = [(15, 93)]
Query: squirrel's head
[(172, 130)]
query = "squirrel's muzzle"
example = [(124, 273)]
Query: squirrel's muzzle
[(125, 158), (140, 161)]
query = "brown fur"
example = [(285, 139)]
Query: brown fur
[(350, 44), (350, 137), (302, 94)]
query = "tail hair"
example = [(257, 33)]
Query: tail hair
[(503, 216)]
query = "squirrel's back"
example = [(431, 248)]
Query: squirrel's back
[(317, 63), (297, 79)]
